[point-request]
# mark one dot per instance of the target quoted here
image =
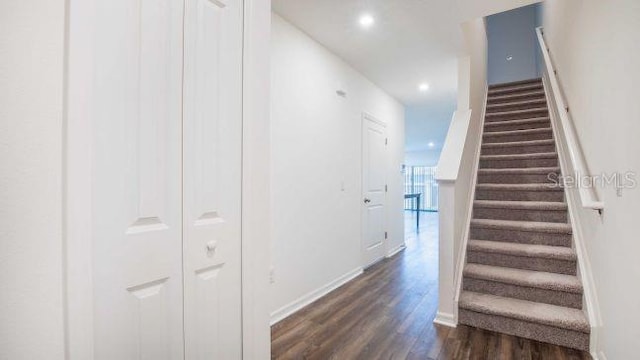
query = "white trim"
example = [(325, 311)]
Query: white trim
[(584, 265), (367, 116), (395, 251), (77, 182), (312, 296), (453, 148), (445, 319), (462, 250), (256, 193)]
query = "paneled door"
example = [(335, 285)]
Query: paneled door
[(212, 178), (374, 146), (166, 168), (137, 175)]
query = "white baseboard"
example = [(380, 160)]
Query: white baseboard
[(599, 356), (445, 319), (307, 299), (396, 250)]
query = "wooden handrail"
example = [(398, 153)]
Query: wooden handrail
[(588, 195)]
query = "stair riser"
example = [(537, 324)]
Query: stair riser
[(517, 126), (489, 138), (512, 150), (511, 195), (518, 163), (549, 334), (517, 178), (557, 266), (553, 297), (516, 116), (555, 216), (521, 237), (516, 105), (513, 90)]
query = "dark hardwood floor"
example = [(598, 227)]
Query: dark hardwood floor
[(387, 313)]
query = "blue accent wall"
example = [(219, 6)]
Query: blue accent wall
[(511, 34)]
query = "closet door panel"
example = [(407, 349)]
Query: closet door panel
[(212, 178), (137, 165)]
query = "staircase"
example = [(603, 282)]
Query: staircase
[(520, 276)]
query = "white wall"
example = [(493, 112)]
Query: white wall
[(475, 35), (594, 47), (456, 166), (316, 157), (512, 33), (31, 120)]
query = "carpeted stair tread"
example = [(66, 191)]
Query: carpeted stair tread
[(489, 134), (530, 226), (521, 205), (520, 274), (533, 312), (516, 83), (525, 278), (502, 98), (515, 89), (501, 123), (516, 112), (518, 143), (519, 187), (545, 155), (532, 170), (494, 106), (523, 250)]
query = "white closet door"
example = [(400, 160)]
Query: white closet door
[(137, 166), (212, 178)]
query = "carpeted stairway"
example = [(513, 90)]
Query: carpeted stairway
[(520, 276)]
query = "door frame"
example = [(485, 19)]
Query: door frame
[(77, 165), (364, 119)]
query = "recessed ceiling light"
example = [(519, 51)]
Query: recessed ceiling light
[(423, 87), (509, 58), (366, 20), (431, 144)]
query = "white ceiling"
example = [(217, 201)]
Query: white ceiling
[(412, 41)]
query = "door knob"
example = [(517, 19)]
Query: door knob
[(366, 201), (211, 246)]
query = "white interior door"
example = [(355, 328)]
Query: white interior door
[(212, 178), (136, 191), (374, 144)]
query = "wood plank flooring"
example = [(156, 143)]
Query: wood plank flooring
[(387, 313)]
